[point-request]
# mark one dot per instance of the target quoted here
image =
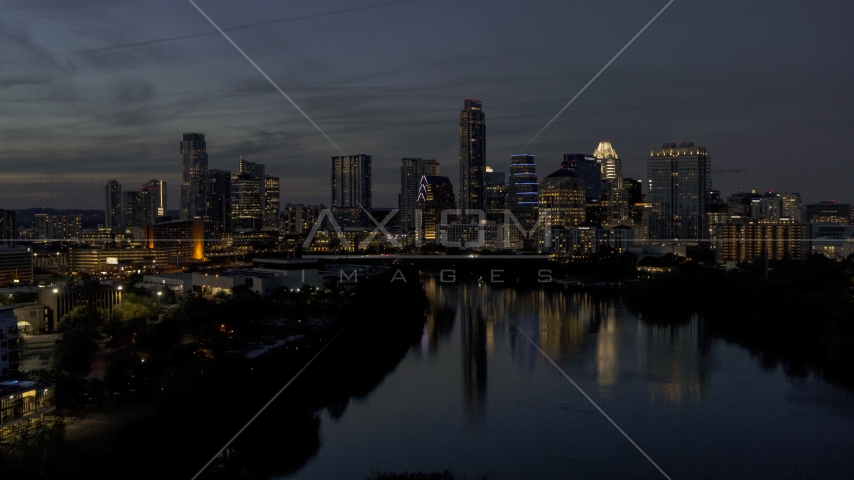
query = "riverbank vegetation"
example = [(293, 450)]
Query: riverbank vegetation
[(800, 314)]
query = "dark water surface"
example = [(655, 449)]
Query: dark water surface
[(476, 397)]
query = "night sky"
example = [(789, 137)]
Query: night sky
[(100, 89)]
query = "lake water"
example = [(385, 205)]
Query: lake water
[(476, 397)]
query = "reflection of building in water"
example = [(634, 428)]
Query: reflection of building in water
[(676, 361), (473, 330), (607, 342), (441, 310)]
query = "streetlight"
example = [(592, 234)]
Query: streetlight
[(158, 298)]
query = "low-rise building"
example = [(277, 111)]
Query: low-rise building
[(23, 405), (62, 299)]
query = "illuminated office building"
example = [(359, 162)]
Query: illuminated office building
[(194, 175), (411, 171), (246, 207), (435, 195), (588, 169), (218, 203)]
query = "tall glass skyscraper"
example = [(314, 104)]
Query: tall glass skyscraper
[(411, 171), (351, 190), (246, 210), (679, 186), (113, 205), (522, 189), (472, 155), (194, 175)]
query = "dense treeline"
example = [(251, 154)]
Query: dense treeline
[(193, 394), (797, 313)]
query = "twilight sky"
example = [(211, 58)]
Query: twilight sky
[(98, 89)]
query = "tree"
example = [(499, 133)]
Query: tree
[(74, 353), (81, 317)]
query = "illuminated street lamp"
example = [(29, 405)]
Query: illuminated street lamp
[(158, 298)]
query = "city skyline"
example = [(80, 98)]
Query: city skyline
[(748, 124)]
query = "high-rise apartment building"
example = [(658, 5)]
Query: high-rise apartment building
[(522, 191), (472, 155), (679, 185), (351, 189), (113, 212), (271, 203), (246, 210), (411, 171), (495, 196), (58, 227), (194, 176), (136, 212)]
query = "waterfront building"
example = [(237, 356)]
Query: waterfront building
[(411, 172), (472, 155), (351, 190), (748, 240), (561, 203), (435, 195), (679, 182)]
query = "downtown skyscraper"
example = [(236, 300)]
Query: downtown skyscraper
[(679, 185), (472, 156), (351, 189), (411, 171), (195, 183), (522, 191), (271, 203), (113, 212)]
